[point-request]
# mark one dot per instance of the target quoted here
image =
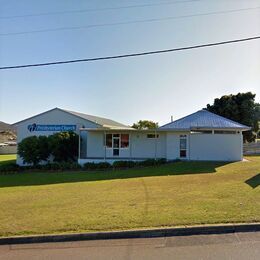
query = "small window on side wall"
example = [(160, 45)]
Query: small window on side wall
[(183, 146), (152, 136), (183, 153), (224, 132), (109, 140), (124, 140)]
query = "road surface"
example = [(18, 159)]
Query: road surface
[(223, 246)]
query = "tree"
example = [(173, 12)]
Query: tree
[(64, 146), (145, 124), (34, 149), (257, 119), (240, 108), (44, 149)]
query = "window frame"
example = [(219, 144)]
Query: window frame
[(116, 136), (126, 147), (183, 150), (106, 140), (152, 136)]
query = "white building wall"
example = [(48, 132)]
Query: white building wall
[(54, 117), (173, 145), (216, 147), (95, 144), (207, 147), (139, 146), (143, 147)]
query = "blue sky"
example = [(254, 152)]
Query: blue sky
[(126, 90)]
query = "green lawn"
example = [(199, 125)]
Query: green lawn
[(182, 193), (7, 158)]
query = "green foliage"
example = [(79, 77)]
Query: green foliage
[(33, 150), (64, 146), (124, 164), (240, 108), (62, 166), (151, 162), (257, 119), (97, 166), (145, 124), (9, 167), (44, 149)]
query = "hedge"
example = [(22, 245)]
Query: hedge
[(65, 166)]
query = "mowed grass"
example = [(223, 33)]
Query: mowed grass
[(182, 193), (7, 158)]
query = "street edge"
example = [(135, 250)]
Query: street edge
[(140, 233)]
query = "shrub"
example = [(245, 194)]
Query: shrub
[(44, 149), (152, 162), (161, 161), (47, 166), (69, 166), (34, 149), (61, 166), (124, 164), (96, 166), (75, 166), (64, 146), (103, 165), (90, 166), (9, 167), (29, 150), (148, 162), (55, 166)]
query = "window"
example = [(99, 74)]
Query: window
[(109, 140), (183, 146), (115, 152), (201, 131), (224, 132), (183, 153), (124, 140), (152, 136), (117, 140)]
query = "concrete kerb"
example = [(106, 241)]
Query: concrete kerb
[(126, 234)]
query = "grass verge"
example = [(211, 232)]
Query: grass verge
[(182, 193), (7, 158)]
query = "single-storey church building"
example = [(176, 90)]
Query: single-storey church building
[(199, 136)]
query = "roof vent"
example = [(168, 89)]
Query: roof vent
[(171, 118)]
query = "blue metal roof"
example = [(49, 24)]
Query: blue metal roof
[(203, 119)]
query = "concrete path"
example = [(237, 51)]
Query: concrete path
[(222, 246)]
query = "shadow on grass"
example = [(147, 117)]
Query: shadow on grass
[(7, 162), (44, 178), (254, 181)]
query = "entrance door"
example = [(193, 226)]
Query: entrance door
[(116, 141)]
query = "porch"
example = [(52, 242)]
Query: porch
[(109, 145)]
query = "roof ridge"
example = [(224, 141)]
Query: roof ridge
[(86, 114), (203, 118), (180, 119), (81, 115), (31, 117)]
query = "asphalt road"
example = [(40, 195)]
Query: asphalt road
[(224, 246)]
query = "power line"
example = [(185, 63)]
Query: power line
[(99, 9), (130, 22), (131, 54)]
